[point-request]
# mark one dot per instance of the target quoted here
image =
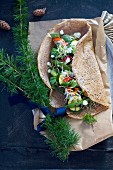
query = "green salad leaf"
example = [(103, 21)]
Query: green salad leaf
[(54, 82), (67, 38), (73, 104), (65, 84), (73, 49), (55, 35), (54, 52), (62, 65), (73, 83)]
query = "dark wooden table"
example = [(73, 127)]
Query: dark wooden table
[(21, 147)]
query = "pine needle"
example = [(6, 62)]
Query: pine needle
[(31, 81), (60, 136), (21, 73), (9, 74)]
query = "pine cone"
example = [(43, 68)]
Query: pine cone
[(39, 12), (4, 25)]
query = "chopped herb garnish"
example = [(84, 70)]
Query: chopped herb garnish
[(89, 119)]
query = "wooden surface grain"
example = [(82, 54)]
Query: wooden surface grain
[(21, 147)]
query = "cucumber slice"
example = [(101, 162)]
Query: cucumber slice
[(61, 79), (74, 42), (53, 73), (74, 104), (73, 109), (78, 109)]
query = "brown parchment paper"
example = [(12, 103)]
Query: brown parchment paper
[(103, 128)]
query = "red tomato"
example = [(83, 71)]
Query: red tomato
[(69, 89), (65, 58), (57, 39), (67, 79), (60, 39)]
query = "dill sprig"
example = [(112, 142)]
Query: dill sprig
[(89, 119), (60, 136)]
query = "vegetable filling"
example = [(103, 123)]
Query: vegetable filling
[(60, 70)]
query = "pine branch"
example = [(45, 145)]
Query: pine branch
[(25, 76), (9, 72), (11, 85), (21, 28), (27, 60), (60, 136)]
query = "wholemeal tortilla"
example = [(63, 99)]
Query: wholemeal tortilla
[(84, 66)]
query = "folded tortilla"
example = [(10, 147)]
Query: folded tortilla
[(84, 66)]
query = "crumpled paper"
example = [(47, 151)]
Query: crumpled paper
[(103, 128), (108, 24)]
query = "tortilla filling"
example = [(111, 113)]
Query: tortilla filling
[(60, 70)]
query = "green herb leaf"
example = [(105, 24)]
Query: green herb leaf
[(54, 73), (89, 119), (54, 82), (73, 83), (54, 52), (74, 104), (66, 84), (74, 49), (62, 65), (67, 38), (55, 35)]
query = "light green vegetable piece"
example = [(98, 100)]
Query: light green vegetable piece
[(67, 38), (53, 73), (54, 52), (73, 83), (74, 42), (55, 35)]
